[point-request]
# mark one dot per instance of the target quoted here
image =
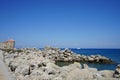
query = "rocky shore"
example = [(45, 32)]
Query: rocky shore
[(67, 55), (35, 64)]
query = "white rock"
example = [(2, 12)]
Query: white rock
[(106, 73), (22, 69), (79, 74)]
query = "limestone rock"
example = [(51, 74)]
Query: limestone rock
[(71, 67), (79, 74), (106, 73), (36, 72), (23, 69), (85, 66), (117, 72)]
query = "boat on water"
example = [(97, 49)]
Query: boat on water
[(78, 48)]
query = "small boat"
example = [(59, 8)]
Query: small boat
[(78, 48)]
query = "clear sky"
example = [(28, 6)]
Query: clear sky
[(61, 23)]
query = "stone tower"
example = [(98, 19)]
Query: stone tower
[(9, 44)]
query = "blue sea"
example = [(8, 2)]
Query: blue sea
[(113, 54)]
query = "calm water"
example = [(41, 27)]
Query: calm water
[(113, 54)]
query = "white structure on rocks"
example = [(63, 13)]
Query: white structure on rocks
[(9, 44)]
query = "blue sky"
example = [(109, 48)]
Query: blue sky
[(61, 23)]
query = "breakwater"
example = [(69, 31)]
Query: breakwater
[(35, 64)]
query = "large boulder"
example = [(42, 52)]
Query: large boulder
[(90, 59), (76, 65), (45, 77), (66, 69), (79, 74), (72, 66), (85, 66), (36, 72), (102, 59), (92, 70), (52, 69), (22, 70), (117, 72), (53, 66), (12, 65), (106, 73)]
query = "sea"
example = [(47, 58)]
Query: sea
[(113, 54)]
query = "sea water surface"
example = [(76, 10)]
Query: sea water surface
[(113, 54)]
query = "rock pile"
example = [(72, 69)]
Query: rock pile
[(35, 64), (57, 54), (117, 72), (67, 55)]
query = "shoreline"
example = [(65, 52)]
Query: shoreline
[(66, 55), (32, 63)]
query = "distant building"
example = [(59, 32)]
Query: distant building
[(9, 44)]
